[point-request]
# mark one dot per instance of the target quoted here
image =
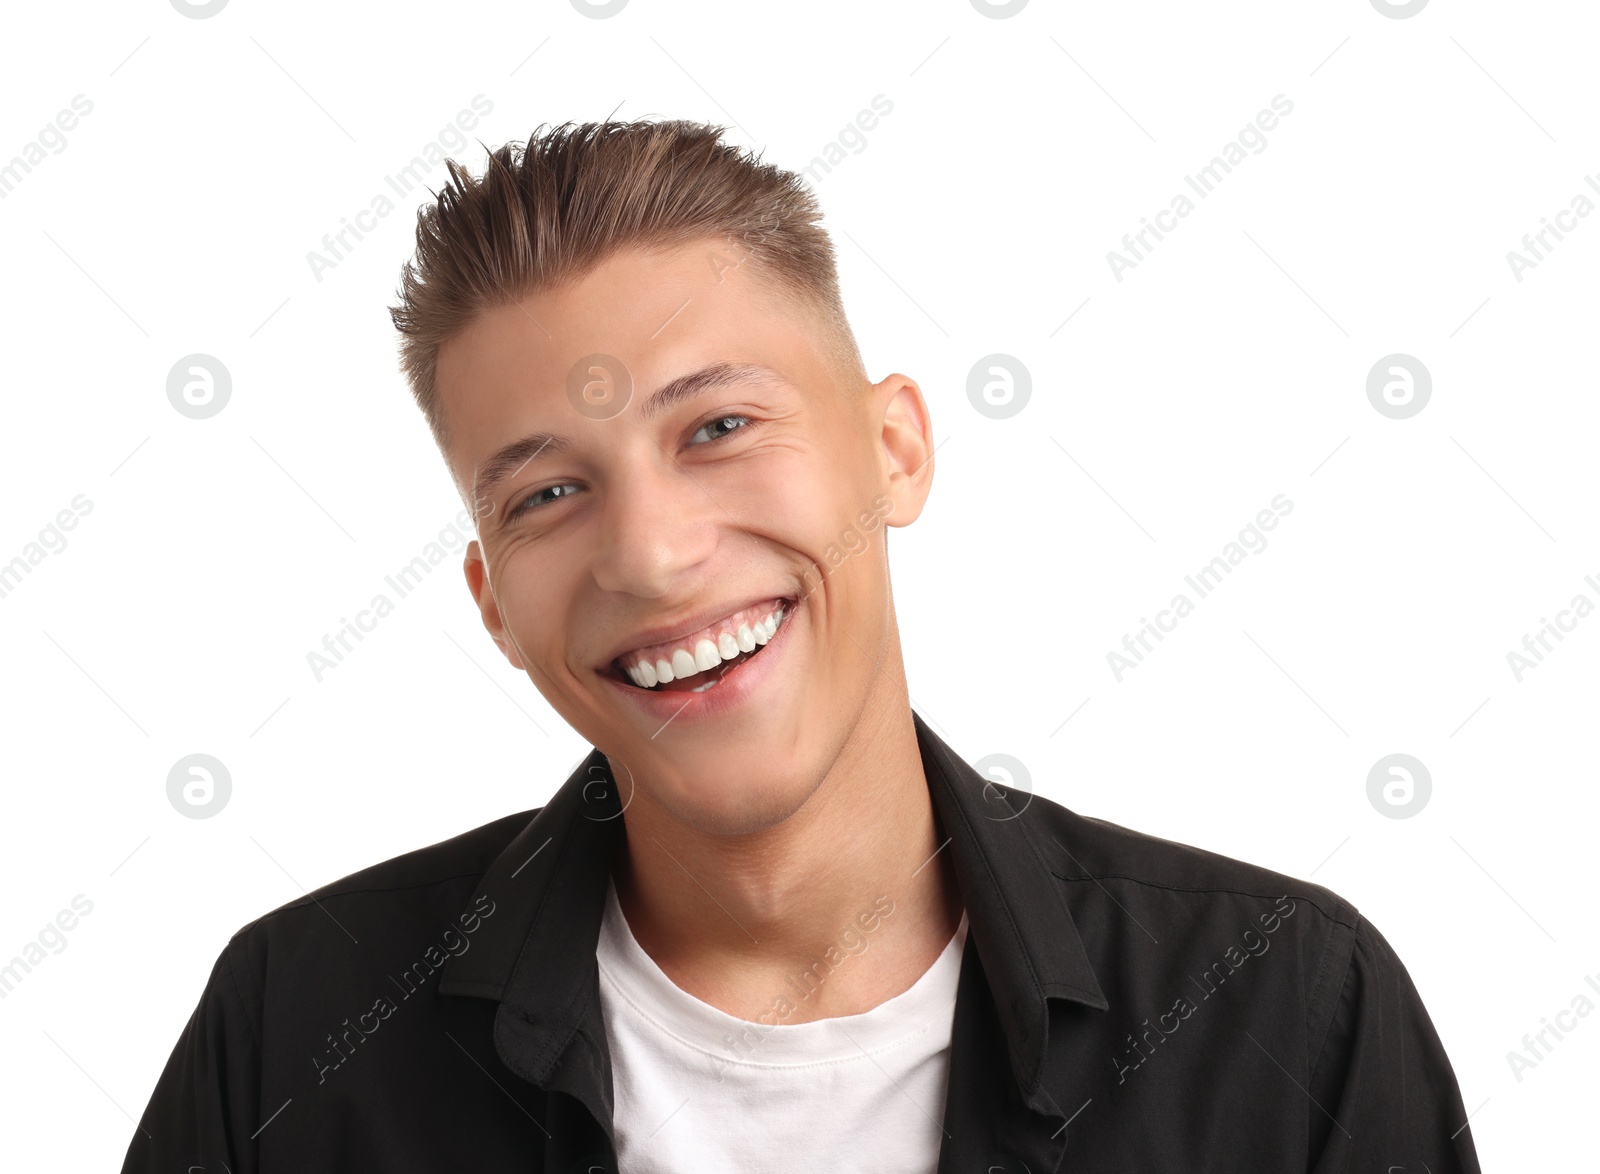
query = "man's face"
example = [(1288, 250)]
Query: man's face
[(675, 532)]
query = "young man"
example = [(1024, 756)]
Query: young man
[(771, 922)]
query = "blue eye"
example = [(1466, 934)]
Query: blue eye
[(713, 424), (711, 430), (537, 498)]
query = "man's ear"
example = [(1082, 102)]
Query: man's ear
[(477, 573), (906, 440)]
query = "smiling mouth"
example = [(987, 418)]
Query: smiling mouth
[(700, 661)]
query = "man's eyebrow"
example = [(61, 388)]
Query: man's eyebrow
[(512, 458), (707, 378)]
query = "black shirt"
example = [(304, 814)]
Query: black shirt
[(1125, 1004)]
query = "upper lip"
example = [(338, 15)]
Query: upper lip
[(678, 629)]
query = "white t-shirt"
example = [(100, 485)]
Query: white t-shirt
[(699, 1091)]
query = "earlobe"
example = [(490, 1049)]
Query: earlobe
[(907, 448), (477, 573)]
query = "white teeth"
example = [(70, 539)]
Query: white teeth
[(707, 654)]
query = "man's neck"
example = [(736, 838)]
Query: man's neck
[(841, 906)]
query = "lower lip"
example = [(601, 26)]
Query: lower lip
[(737, 685)]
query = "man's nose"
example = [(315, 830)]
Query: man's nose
[(656, 523)]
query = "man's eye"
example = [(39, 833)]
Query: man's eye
[(714, 430), (540, 497)]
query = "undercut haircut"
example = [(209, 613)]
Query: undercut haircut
[(548, 211)]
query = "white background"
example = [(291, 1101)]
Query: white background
[(1229, 366)]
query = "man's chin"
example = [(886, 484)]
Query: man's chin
[(726, 799)]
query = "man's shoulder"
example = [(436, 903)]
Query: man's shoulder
[(1226, 984), (397, 890), (1104, 850), (1093, 849), (1167, 924)]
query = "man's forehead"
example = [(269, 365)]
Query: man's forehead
[(631, 306)]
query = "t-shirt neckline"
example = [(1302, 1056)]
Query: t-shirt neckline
[(633, 976)]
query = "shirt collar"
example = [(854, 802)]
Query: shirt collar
[(1016, 909), (548, 887)]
